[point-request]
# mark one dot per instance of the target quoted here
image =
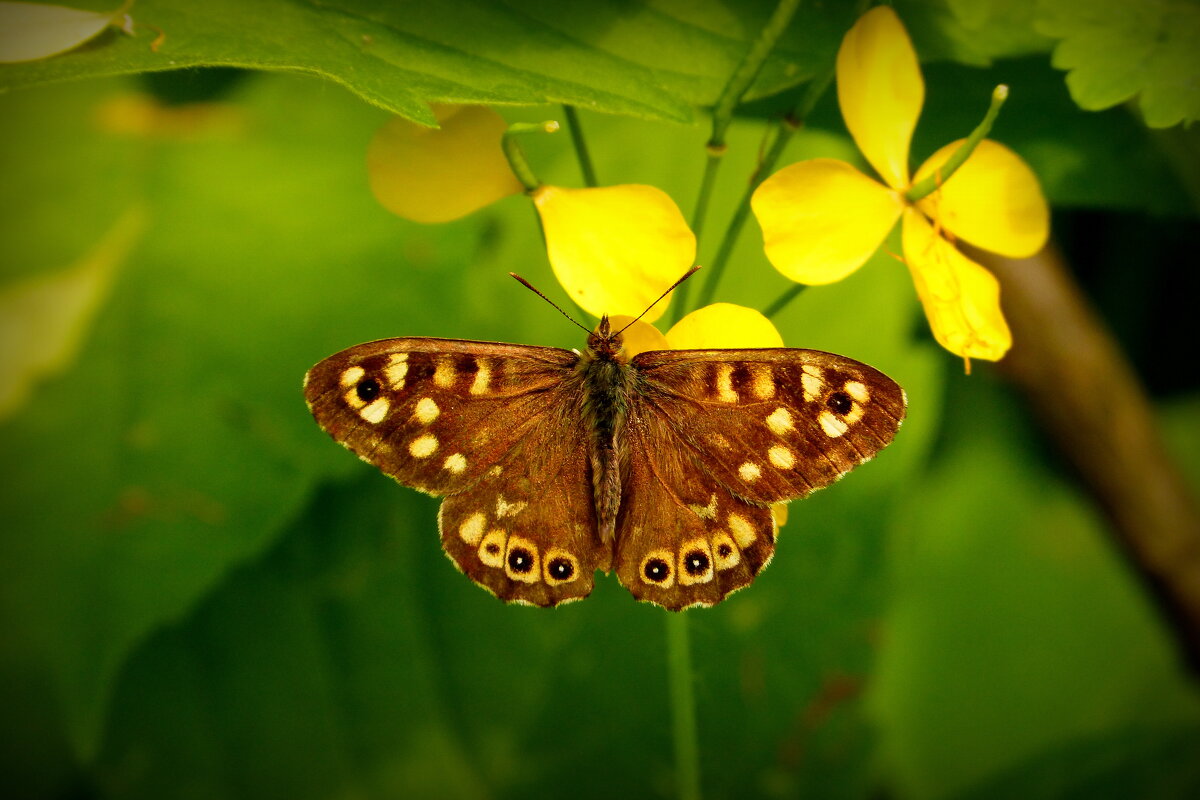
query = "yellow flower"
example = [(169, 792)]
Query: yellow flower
[(615, 249), (441, 174), (822, 219)]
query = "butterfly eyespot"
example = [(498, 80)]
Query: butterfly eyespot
[(520, 560), (840, 403), (561, 569), (492, 548), (724, 550), (657, 570), (367, 389), (696, 562)]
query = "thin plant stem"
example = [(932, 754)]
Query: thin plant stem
[(783, 300), (747, 70), (581, 149), (788, 126), (683, 707), (931, 183), (516, 156)]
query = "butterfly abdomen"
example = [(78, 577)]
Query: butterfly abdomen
[(606, 383)]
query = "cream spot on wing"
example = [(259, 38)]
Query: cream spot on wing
[(720, 440), (749, 472), (455, 463), (780, 421), (491, 549), (521, 562), (725, 392), (813, 381), (857, 390), (742, 530), (396, 370), (725, 553), (781, 457), (483, 379), (471, 530), (494, 471), (709, 511), (764, 383), (507, 509), (833, 425), (375, 411), (445, 373), (426, 411), (695, 563), (351, 375), (423, 446)]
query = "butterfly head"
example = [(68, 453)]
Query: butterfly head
[(606, 344)]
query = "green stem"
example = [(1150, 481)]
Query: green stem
[(683, 707), (787, 128), (516, 156), (782, 301), (747, 70), (933, 182), (581, 149)]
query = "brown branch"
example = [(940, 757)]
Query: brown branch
[(1089, 400)]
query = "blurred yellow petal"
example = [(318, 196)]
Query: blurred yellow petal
[(822, 219), (723, 325), (992, 201), (615, 249), (441, 174), (638, 337), (880, 91), (29, 31), (44, 320), (961, 298), (780, 512)]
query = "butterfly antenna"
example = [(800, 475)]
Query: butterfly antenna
[(534, 289), (670, 289)]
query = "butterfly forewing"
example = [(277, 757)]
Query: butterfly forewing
[(718, 435), (435, 414)]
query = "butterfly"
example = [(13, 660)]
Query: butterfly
[(555, 463)]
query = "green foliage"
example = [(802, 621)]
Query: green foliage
[(202, 596), (1116, 50)]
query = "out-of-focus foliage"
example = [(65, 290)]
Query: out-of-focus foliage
[(201, 595)]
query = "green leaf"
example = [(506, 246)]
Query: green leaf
[(1118, 50), (653, 61), (29, 31)]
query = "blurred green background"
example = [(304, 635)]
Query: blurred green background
[(202, 596)]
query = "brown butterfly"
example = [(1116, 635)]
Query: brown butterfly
[(555, 464)]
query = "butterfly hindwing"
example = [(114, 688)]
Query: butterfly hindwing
[(716, 436), (526, 531)]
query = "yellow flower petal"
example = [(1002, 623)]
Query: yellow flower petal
[(992, 201), (880, 91), (639, 337), (723, 325), (441, 174), (30, 31), (615, 249), (44, 320), (821, 219), (961, 298)]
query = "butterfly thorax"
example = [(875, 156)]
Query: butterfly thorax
[(607, 383)]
